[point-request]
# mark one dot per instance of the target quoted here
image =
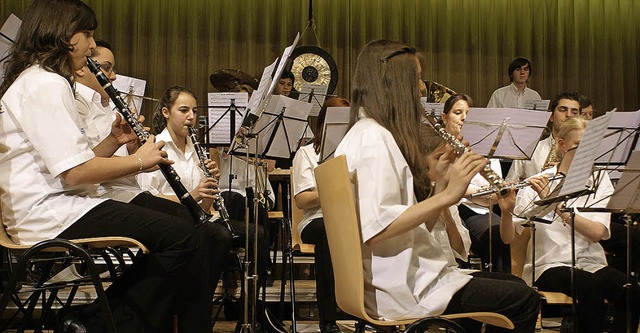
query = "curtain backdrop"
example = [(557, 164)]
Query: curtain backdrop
[(586, 45)]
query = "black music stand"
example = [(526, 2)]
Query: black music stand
[(314, 94)]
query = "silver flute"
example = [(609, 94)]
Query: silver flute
[(491, 190), (218, 202)]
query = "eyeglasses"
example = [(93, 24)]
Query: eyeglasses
[(107, 68)]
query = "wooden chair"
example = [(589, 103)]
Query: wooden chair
[(518, 257), (30, 268), (343, 231)]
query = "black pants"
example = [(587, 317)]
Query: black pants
[(478, 226), (501, 293), (172, 279), (616, 246), (591, 291), (314, 233)]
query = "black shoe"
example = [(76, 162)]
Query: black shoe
[(71, 323), (329, 327)]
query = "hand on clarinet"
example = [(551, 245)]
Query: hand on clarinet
[(212, 166), (151, 154), (206, 189)]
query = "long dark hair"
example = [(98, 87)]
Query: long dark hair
[(332, 102), (387, 87), (45, 36), (159, 122)]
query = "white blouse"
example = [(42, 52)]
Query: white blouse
[(303, 179), (553, 241), (408, 276), (41, 136)]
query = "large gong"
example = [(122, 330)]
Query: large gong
[(311, 64)]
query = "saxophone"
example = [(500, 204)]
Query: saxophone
[(218, 203), (197, 213), (552, 157), (495, 181)]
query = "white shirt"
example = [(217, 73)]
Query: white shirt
[(553, 241), (409, 275), (186, 166), (439, 231), (523, 169), (41, 137), (305, 161), (97, 120), (478, 182), (510, 97), (238, 168)]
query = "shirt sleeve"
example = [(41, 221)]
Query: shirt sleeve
[(302, 172), (150, 181), (48, 121), (493, 101), (382, 184)]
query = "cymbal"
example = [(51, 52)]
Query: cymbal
[(227, 80)]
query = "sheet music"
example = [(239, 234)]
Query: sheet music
[(219, 114), (619, 138), (582, 165), (627, 193), (316, 99), (436, 108), (519, 139), (9, 33), (334, 129), (259, 94), (294, 120), (130, 85), (283, 62), (536, 104)]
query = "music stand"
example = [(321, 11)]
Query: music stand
[(8, 34), (225, 110), (620, 138), (314, 94), (335, 127), (504, 133), (536, 104), (625, 200)]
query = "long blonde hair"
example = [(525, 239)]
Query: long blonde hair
[(386, 85), (575, 123)]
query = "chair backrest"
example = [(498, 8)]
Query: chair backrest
[(518, 251), (296, 218), (342, 224)]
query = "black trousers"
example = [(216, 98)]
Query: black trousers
[(591, 291), (173, 279), (314, 233), (478, 226), (497, 292)]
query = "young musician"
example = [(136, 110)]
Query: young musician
[(175, 114), (405, 268), (473, 211), (311, 228), (48, 183), (563, 106), (594, 280), (514, 95)]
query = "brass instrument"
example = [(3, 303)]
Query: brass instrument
[(495, 181), (490, 190), (437, 93), (552, 157)]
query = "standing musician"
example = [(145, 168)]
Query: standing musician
[(473, 211), (514, 95), (406, 271), (311, 228), (595, 281), (49, 179)]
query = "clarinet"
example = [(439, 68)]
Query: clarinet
[(495, 181), (218, 203), (197, 213)]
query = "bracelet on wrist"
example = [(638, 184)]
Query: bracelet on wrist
[(139, 160)]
